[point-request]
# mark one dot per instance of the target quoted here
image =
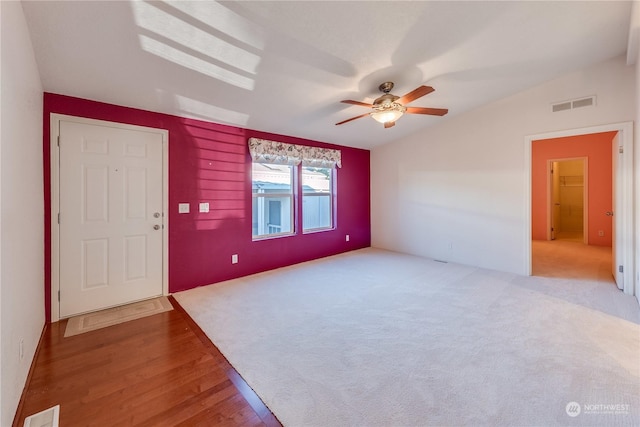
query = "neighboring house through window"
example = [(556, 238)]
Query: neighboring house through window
[(317, 197), (272, 205)]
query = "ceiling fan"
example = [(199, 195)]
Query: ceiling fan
[(388, 108)]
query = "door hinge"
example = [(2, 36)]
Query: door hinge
[(621, 150), (58, 296), (620, 269), (58, 140), (58, 217)]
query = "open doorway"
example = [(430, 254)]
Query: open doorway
[(568, 199), (624, 256), (571, 232)]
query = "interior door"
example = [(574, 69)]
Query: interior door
[(616, 237), (110, 216)]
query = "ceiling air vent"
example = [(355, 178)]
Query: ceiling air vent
[(574, 103), (561, 107), (584, 102)]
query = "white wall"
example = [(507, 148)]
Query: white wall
[(21, 207), (456, 191)]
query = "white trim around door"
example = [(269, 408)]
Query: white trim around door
[(623, 216), (55, 120), (585, 196)]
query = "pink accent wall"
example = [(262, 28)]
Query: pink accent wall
[(210, 162), (597, 148)]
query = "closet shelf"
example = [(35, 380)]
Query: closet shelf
[(572, 181)]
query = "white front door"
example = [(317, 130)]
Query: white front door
[(111, 219)]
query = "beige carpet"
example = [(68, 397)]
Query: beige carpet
[(572, 259), (378, 338), (113, 316)]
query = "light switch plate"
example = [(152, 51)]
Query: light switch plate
[(183, 207), (204, 207)]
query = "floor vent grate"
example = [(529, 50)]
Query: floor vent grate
[(47, 418)]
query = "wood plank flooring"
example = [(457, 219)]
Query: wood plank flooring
[(161, 370)]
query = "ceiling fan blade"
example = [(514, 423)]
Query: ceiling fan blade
[(430, 111), (363, 104), (389, 124), (352, 118), (415, 94)]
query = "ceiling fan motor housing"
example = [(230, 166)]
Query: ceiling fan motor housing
[(385, 100)]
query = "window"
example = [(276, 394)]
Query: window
[(272, 204), (317, 196), (275, 164)]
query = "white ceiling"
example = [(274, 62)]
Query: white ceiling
[(283, 67)]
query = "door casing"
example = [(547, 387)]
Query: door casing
[(585, 196), (624, 216), (55, 120)]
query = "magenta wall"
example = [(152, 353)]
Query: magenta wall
[(597, 148), (210, 162)]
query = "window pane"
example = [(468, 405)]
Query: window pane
[(316, 198), (271, 216), (272, 208), (316, 212), (268, 178)]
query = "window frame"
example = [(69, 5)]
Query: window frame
[(331, 194), (291, 195)]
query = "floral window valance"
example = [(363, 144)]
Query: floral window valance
[(265, 151)]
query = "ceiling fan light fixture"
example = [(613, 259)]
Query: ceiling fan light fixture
[(388, 108), (388, 113)]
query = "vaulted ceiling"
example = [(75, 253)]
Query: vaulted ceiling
[(283, 67)]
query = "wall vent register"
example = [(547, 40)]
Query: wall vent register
[(574, 103)]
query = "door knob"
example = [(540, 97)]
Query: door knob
[(156, 215), (156, 227), (608, 213)]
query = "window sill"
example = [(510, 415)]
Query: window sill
[(271, 236), (318, 230)]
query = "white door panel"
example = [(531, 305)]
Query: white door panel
[(110, 189), (616, 230)]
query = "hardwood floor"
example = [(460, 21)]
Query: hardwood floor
[(161, 370)]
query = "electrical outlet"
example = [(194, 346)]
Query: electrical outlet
[(204, 207), (234, 259), (600, 233), (346, 238), (183, 208)]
